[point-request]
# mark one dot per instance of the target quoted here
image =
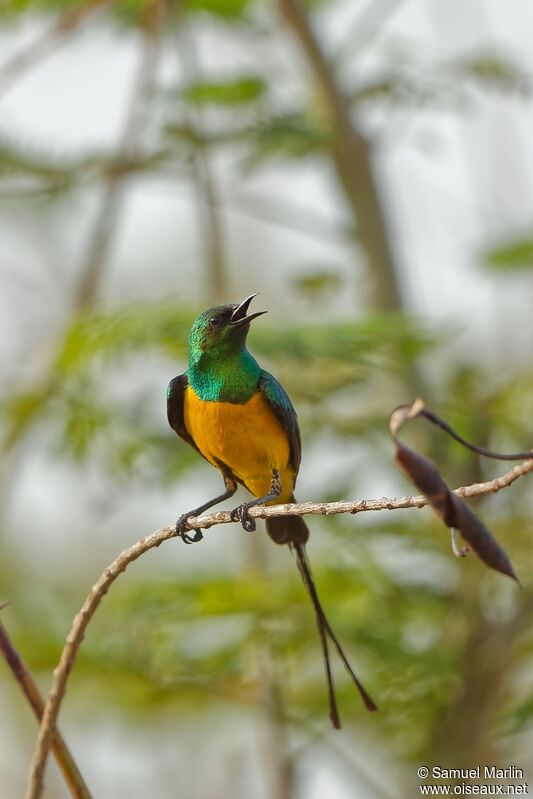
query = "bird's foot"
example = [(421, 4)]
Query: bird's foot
[(182, 531), (240, 514)]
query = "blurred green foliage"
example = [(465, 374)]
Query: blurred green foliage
[(243, 89), (509, 256)]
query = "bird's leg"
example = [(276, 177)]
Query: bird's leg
[(181, 524), (240, 513)]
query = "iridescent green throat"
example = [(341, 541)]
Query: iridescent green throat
[(232, 378)]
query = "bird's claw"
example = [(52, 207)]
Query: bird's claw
[(182, 531), (240, 514)]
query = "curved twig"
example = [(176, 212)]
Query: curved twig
[(120, 564), (73, 778)]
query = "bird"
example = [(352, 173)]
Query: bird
[(241, 420)]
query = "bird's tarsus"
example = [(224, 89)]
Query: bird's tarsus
[(241, 512)]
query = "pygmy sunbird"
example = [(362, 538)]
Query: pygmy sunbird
[(241, 420)]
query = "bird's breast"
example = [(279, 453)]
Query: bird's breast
[(247, 437)]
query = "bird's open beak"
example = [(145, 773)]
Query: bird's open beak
[(239, 316)]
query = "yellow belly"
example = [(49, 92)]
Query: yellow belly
[(247, 438)]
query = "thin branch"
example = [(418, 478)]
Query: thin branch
[(294, 217), (22, 675), (121, 563)]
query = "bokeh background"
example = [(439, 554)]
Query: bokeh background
[(367, 166)]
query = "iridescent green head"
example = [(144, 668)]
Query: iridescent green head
[(220, 332), (220, 366)]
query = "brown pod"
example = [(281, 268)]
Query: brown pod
[(452, 510)]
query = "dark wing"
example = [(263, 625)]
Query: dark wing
[(175, 397), (279, 401)]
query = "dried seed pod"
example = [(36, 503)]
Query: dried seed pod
[(449, 507)]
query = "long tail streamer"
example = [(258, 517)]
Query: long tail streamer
[(325, 631)]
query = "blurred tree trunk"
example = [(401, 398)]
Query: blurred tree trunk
[(210, 219), (212, 222), (351, 155), (279, 760), (460, 738), (108, 216)]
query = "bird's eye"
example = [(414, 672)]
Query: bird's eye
[(216, 321)]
